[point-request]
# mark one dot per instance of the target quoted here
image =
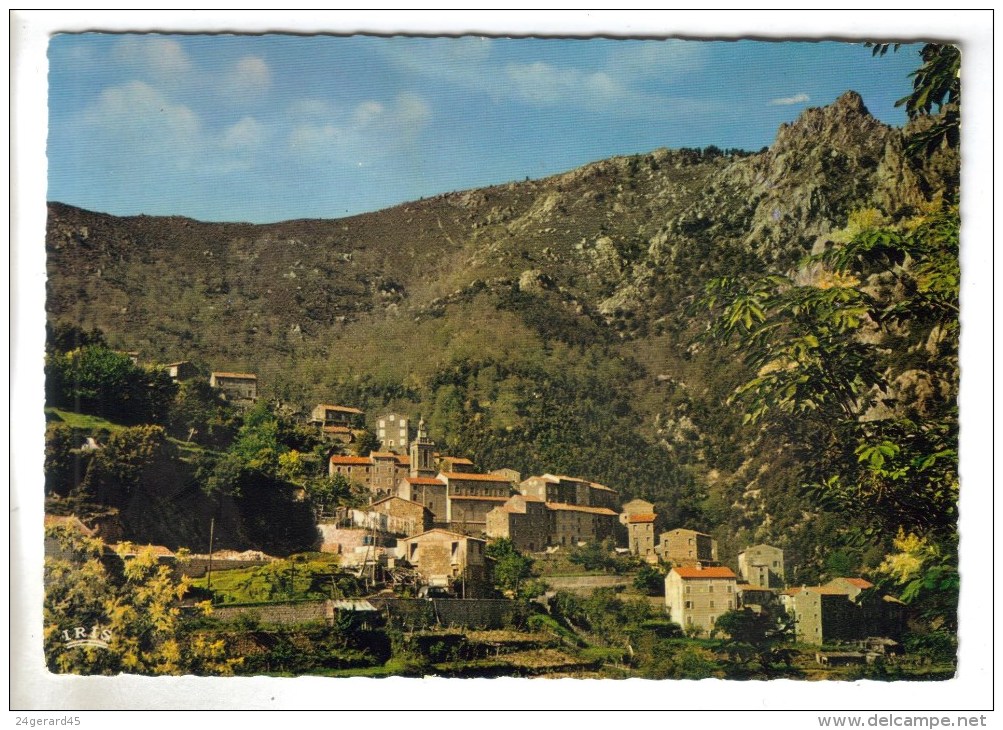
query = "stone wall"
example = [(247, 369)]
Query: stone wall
[(278, 613), (490, 613), (198, 567)]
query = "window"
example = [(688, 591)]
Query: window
[(689, 604), (712, 604), (687, 589), (710, 588), (729, 589), (730, 606)]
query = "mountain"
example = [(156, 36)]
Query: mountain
[(545, 325)]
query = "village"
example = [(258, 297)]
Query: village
[(431, 516)]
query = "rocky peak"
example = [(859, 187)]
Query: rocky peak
[(844, 123)]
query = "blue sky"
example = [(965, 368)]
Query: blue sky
[(272, 127)]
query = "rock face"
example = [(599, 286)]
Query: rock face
[(628, 238)]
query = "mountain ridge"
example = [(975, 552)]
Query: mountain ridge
[(490, 309)]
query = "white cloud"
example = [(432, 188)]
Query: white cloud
[(136, 111), (249, 75), (788, 100), (369, 129), (152, 54), (247, 135), (547, 85), (667, 60)]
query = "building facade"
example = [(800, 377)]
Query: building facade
[(641, 536), (687, 547), (696, 596), (394, 432), (522, 519), (762, 566), (241, 388), (442, 556)]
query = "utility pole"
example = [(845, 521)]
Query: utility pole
[(212, 525)]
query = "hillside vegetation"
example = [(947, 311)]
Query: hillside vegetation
[(553, 325)]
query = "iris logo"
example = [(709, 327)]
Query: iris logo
[(80, 636)]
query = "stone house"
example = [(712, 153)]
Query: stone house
[(394, 432), (522, 519), (696, 596), (757, 599), (355, 468), (641, 536), (687, 547), (241, 388), (411, 518), (562, 489), (442, 557), (571, 524), (325, 415), (386, 471), (454, 464), (823, 614), (837, 611), (427, 491), (182, 370), (469, 498), (380, 472), (510, 474), (762, 565), (636, 507)]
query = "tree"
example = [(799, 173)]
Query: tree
[(751, 635), (854, 361), (936, 83), (96, 380), (365, 442), (106, 614), (650, 580), (511, 569)]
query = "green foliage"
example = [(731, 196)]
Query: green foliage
[(117, 469), (595, 556), (936, 83), (751, 635), (62, 337), (650, 580), (365, 442), (511, 571), (199, 413), (130, 603), (99, 381)]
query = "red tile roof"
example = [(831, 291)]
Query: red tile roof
[(562, 507), (343, 409), (471, 477), (827, 590), (640, 518), (351, 460), (857, 582), (456, 459), (424, 480), (603, 487), (708, 572), (242, 376), (382, 455)]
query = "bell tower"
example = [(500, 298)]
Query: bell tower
[(422, 453)]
